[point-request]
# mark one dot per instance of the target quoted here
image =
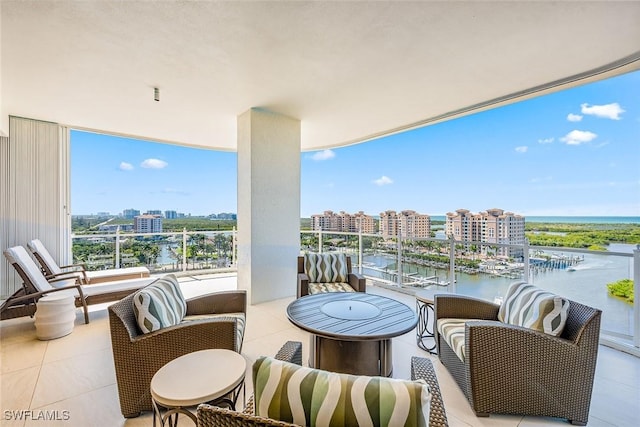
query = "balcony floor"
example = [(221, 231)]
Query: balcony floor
[(76, 374)]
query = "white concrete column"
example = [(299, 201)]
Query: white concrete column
[(268, 204)]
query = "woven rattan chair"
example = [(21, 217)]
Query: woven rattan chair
[(213, 416), (515, 370), (137, 356), (354, 281)]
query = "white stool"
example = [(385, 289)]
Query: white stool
[(55, 315)]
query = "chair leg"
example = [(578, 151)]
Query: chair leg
[(577, 423), (86, 311)]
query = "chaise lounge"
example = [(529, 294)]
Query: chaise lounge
[(35, 285), (51, 269)]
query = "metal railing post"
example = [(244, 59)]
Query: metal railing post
[(399, 262), (360, 256), (184, 249), (233, 247), (636, 301), (320, 241), (117, 260), (452, 264), (525, 254)]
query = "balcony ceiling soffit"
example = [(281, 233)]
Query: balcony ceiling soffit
[(349, 71)]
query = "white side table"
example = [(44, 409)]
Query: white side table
[(55, 315), (207, 376)]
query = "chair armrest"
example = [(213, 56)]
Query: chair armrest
[(291, 352), (303, 285), (422, 369), (77, 268), (463, 307), (357, 282), (65, 275), (218, 302)]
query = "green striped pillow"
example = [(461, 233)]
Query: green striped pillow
[(159, 305), (312, 397), (531, 307), (326, 268)]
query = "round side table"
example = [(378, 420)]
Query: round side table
[(426, 318), (55, 315), (207, 376)]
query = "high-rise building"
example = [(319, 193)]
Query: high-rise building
[(408, 223), (154, 212), (147, 224), (170, 214), (491, 226), (330, 221), (130, 213)]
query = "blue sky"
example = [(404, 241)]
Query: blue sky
[(575, 152)]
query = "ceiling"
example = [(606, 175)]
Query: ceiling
[(349, 71)]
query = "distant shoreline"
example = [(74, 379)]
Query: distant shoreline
[(571, 219)]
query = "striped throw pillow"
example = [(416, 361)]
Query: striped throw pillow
[(531, 307), (312, 397), (159, 305), (326, 268)]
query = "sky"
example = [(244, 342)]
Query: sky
[(571, 153)]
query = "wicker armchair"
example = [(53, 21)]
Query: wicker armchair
[(137, 356), (213, 416), (354, 281), (515, 370)]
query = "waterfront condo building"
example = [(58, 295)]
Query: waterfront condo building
[(408, 223), (147, 224), (491, 226), (330, 221)]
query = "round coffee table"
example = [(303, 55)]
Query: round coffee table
[(207, 376), (352, 331)]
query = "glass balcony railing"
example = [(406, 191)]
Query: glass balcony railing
[(479, 269), (159, 252)]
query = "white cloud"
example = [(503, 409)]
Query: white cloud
[(154, 164), (124, 166), (577, 137), (383, 180), (522, 149), (546, 141), (574, 117), (323, 155), (607, 111)]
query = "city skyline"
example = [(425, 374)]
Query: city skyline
[(571, 153)]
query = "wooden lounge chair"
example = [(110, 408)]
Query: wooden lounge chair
[(51, 269), (35, 285)]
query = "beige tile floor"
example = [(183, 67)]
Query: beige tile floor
[(74, 375)]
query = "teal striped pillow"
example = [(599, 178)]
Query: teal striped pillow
[(312, 397), (326, 268), (531, 307), (159, 305)]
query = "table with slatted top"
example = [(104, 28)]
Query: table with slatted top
[(351, 332)]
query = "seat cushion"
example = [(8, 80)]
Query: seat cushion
[(326, 268), (239, 318), (452, 331), (531, 307), (312, 397), (159, 305), (320, 288)]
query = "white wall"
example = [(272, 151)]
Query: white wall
[(268, 204)]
